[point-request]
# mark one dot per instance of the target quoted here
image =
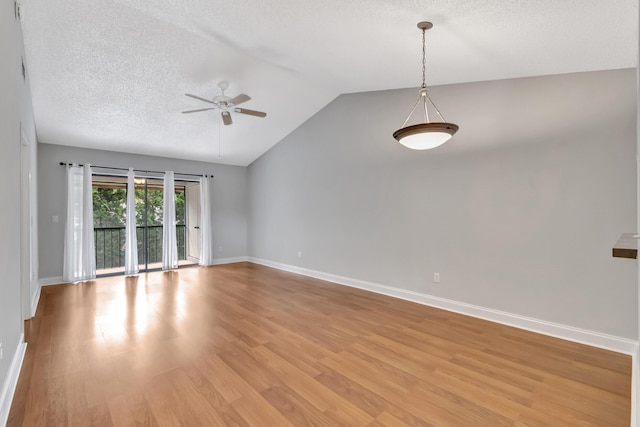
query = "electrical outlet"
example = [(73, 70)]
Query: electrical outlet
[(219, 248), (436, 277), (299, 254)]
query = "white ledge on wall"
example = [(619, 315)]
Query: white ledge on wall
[(626, 246)]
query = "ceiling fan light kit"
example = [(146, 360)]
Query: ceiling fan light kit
[(226, 104), (428, 134)]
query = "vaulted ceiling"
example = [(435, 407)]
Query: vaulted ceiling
[(112, 74)]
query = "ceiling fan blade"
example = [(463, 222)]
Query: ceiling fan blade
[(201, 99), (226, 118), (195, 111), (239, 99), (250, 112)]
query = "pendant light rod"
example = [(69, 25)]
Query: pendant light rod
[(426, 135), (424, 26), (435, 107), (411, 113)]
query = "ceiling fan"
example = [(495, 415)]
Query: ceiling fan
[(226, 104)]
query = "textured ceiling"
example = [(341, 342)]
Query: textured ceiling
[(112, 74)]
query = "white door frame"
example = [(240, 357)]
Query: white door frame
[(26, 225), (192, 215)]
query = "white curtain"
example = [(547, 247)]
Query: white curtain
[(169, 241), (206, 243), (79, 249), (131, 239)]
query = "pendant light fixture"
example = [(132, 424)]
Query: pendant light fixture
[(424, 136)]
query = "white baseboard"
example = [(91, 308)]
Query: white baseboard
[(230, 260), (635, 388), (47, 281), (10, 383), (570, 333), (35, 299)]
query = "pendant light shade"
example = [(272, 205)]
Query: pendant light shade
[(426, 135)]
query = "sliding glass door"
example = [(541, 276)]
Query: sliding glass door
[(192, 221), (109, 208), (109, 201)]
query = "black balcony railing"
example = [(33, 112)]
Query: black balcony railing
[(110, 244)]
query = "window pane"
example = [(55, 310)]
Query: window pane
[(109, 216)]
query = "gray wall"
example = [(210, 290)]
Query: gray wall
[(229, 196), (517, 213), (15, 111)]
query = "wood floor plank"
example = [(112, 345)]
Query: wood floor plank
[(422, 369), (297, 410), (598, 400), (119, 411), (490, 386), (245, 345), (239, 358), (204, 386), (258, 412), (431, 406), (139, 410), (195, 400), (490, 367), (388, 420), (592, 376), (227, 382), (458, 385), (57, 404), (160, 397), (293, 354), (320, 397), (231, 417), (99, 415)]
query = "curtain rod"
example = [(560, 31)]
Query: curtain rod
[(138, 170)]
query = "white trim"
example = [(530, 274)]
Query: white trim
[(220, 261), (48, 281), (9, 386), (566, 332), (635, 383), (35, 299)]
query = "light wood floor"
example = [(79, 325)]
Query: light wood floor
[(245, 345)]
